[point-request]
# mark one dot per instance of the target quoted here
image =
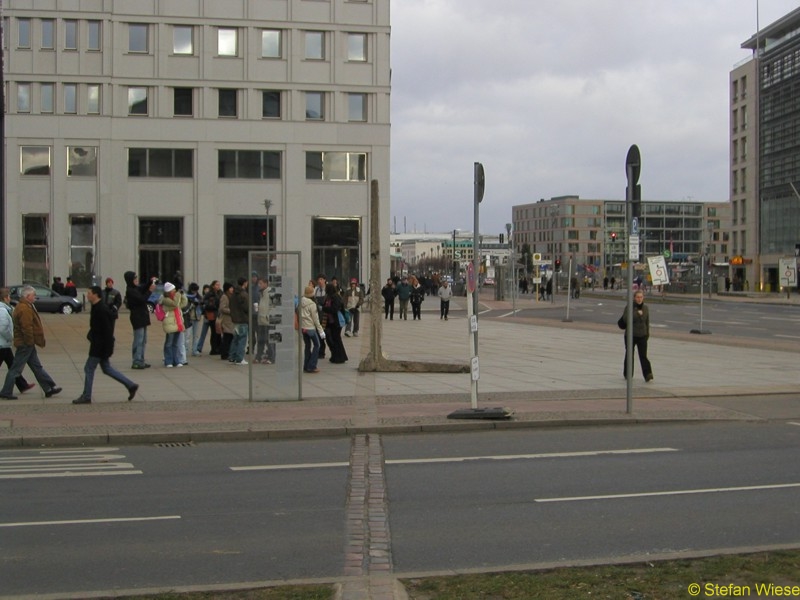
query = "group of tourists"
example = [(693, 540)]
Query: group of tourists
[(410, 290)]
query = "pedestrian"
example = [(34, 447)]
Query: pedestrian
[(416, 298), (240, 316), (353, 299), (224, 325), (70, 289), (173, 301), (210, 304), (388, 292), (445, 294), (331, 310), (319, 298), (28, 333), (548, 288), (311, 329), (404, 295), (641, 333), (58, 286), (112, 299), (7, 338), (265, 351), (101, 347), (136, 297)]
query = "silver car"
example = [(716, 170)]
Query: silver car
[(47, 300)]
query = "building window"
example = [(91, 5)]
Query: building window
[(93, 43), (336, 166), (357, 107), (160, 162), (249, 164), (70, 34), (160, 247), (137, 101), (23, 33), (23, 97), (35, 264), (270, 43), (271, 104), (243, 234), (183, 102), (227, 42), (48, 34), (34, 160), (81, 249), (315, 106), (81, 161), (137, 37), (47, 98), (93, 99), (315, 45), (357, 47), (227, 102), (182, 42), (70, 98)]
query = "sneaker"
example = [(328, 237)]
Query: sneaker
[(179, 365), (242, 362), (169, 366), (52, 392), (347, 334), (8, 397), (355, 334), (82, 400), (138, 367)]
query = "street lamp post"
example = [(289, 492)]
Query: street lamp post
[(267, 206), (454, 257)]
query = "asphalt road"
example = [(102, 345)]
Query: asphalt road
[(144, 517)]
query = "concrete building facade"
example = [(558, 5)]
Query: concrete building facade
[(167, 136)]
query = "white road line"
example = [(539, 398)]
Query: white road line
[(791, 337), (748, 488), (411, 461), (30, 475), (793, 423), (290, 467), (89, 521)]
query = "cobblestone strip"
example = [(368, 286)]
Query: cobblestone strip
[(356, 554)]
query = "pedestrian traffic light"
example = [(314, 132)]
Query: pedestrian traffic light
[(614, 236), (558, 265)]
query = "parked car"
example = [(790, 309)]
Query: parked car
[(488, 281), (47, 300)]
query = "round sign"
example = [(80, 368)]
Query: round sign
[(471, 278)]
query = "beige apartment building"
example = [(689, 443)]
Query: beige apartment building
[(175, 136)]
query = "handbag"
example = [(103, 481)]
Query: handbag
[(342, 321), (621, 323)]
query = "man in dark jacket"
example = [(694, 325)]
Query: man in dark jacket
[(101, 347), (112, 298), (136, 300), (240, 315)]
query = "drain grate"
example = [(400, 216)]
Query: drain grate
[(175, 445)]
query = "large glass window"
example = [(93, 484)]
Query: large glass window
[(34, 160), (336, 166), (93, 99), (315, 45), (227, 42), (93, 42), (160, 248), (357, 107), (160, 162), (137, 101), (357, 47), (137, 37), (82, 250), (270, 43), (23, 33), (70, 34), (81, 161), (335, 247), (35, 264), (24, 97), (48, 34), (182, 42), (47, 97), (70, 98), (227, 103), (183, 104), (249, 164), (315, 106), (271, 104), (243, 234)]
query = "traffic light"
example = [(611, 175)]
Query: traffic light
[(558, 265), (614, 236)]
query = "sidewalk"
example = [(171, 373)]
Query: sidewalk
[(551, 374)]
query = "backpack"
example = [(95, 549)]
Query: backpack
[(159, 311)]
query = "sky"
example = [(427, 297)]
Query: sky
[(549, 95)]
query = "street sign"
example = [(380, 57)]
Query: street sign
[(475, 369), (635, 226), (633, 247), (787, 267), (538, 256), (458, 254), (658, 270)]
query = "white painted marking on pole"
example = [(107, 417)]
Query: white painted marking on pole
[(290, 467), (748, 488), (90, 521), (411, 461)]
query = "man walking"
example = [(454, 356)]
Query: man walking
[(28, 333), (101, 347), (7, 338), (136, 299), (445, 294), (353, 299), (240, 315)]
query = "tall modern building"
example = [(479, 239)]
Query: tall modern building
[(167, 136), (765, 153)]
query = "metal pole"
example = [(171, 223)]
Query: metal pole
[(2, 155), (629, 296)]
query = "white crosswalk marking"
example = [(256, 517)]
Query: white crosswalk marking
[(79, 462)]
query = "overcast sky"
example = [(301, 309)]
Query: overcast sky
[(550, 94)]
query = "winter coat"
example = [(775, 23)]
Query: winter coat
[(641, 320), (224, 322), (101, 331), (173, 312), (239, 306), (136, 297), (28, 330), (308, 315), (6, 326)]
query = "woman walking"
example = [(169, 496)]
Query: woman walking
[(641, 333), (331, 309), (311, 329)]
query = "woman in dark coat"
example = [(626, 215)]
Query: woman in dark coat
[(331, 307), (641, 333)]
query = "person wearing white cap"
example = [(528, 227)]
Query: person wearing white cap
[(173, 302)]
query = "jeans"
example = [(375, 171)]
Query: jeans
[(7, 356), (444, 308), (190, 335), (89, 369), (239, 343), (139, 344), (172, 349), (265, 349), (26, 355), (203, 331), (404, 308), (311, 351), (355, 320)]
